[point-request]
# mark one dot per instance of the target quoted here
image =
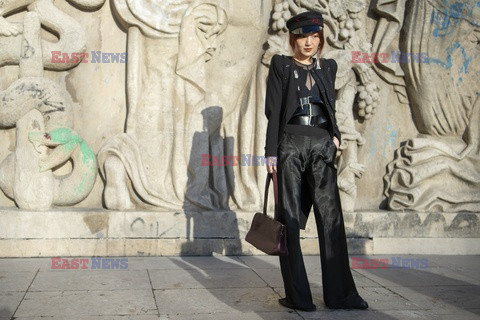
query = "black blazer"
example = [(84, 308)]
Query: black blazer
[(282, 97)]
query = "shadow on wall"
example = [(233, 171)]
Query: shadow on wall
[(209, 188)]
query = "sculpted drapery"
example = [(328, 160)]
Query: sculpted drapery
[(192, 90), (195, 85), (439, 169)]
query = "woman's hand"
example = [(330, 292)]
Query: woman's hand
[(271, 164), (335, 140)]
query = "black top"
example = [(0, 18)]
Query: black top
[(282, 97), (303, 75), (306, 82)]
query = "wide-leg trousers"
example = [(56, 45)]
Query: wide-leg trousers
[(306, 172)]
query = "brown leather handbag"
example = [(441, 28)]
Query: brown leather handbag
[(267, 234)]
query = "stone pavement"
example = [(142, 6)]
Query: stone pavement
[(236, 287)]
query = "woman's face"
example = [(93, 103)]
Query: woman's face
[(306, 45)]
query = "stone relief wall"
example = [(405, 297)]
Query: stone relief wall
[(194, 83), (41, 110), (439, 170)]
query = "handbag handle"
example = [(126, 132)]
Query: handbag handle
[(271, 176)]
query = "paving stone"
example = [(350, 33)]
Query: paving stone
[(456, 261), (239, 316), (416, 277), (77, 280), (203, 262), (363, 281), (24, 264), (232, 287), (471, 275), (374, 296), (16, 281), (261, 262), (208, 262), (9, 302), (312, 263), (273, 277), (458, 315), (467, 266), (366, 314), (76, 304), (383, 299), (208, 278), (217, 300), (442, 298), (144, 263), (84, 317)]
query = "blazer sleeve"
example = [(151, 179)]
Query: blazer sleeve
[(333, 76), (273, 104)]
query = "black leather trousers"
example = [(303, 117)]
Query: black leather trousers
[(306, 173)]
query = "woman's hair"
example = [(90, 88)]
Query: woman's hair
[(293, 37)]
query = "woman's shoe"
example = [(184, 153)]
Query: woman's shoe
[(284, 302), (352, 303)]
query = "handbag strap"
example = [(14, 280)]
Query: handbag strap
[(271, 176)]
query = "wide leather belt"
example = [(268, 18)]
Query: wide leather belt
[(309, 109), (315, 121)]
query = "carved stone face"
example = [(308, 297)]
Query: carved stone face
[(162, 15)]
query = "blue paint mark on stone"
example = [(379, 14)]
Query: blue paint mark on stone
[(447, 64), (391, 135), (447, 20)]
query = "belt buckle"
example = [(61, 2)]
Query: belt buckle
[(306, 102), (309, 106)]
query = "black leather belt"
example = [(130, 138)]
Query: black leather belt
[(315, 121), (310, 113)]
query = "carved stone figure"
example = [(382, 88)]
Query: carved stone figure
[(438, 170), (71, 35), (357, 95), (27, 177), (185, 63), (41, 111)]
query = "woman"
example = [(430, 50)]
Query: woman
[(302, 139)]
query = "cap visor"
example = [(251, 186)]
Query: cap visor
[(307, 29)]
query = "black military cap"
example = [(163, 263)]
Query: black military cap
[(306, 22)]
